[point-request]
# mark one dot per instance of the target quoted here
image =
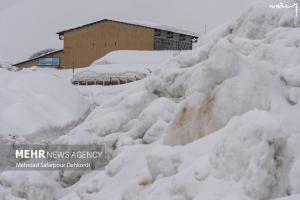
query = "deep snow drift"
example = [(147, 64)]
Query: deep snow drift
[(220, 122), (31, 101)]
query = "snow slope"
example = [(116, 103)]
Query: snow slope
[(32, 100), (220, 122)]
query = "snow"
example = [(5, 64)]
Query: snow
[(7, 66), (135, 57), (292, 76), (155, 132), (163, 161), (124, 64), (31, 185), (140, 23), (294, 197), (123, 61), (220, 122), (38, 102), (254, 149)]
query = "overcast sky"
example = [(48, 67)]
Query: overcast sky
[(27, 26)]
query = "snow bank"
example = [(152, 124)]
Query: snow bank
[(135, 57), (160, 109), (260, 19), (7, 66), (124, 64), (292, 76), (31, 101), (155, 132), (30, 185), (232, 91), (293, 197), (225, 78), (163, 161), (254, 149)]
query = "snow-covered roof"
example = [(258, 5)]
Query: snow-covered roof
[(137, 23)]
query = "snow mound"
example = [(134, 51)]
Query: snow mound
[(294, 197), (30, 185), (260, 19), (220, 122), (38, 102), (135, 57), (159, 109), (292, 76), (155, 132), (255, 151), (224, 78), (123, 62), (163, 161)]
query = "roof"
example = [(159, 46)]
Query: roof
[(137, 23), (46, 54)]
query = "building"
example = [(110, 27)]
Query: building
[(52, 59), (84, 44)]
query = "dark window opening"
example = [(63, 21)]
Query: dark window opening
[(170, 35), (167, 44), (182, 37), (157, 33)]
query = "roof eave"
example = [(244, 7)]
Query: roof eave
[(38, 57), (60, 33)]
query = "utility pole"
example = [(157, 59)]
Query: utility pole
[(205, 28)]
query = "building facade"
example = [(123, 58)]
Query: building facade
[(37, 61), (85, 44)]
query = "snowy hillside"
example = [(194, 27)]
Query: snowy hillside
[(220, 122)]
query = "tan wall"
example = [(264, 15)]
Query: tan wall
[(85, 45), (34, 62), (27, 64)]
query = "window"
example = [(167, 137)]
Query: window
[(157, 33), (49, 61), (170, 35), (182, 37)]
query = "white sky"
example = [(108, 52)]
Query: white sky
[(27, 26)]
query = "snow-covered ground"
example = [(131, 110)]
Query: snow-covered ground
[(220, 122)]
